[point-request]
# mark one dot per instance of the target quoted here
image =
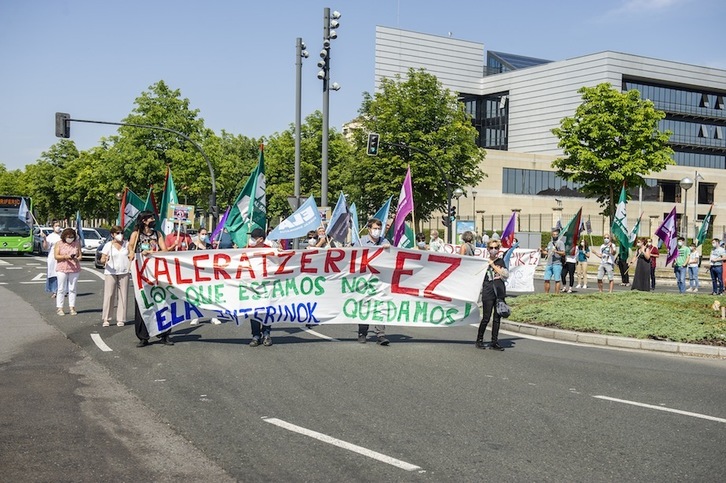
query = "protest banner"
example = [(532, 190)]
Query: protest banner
[(378, 285)]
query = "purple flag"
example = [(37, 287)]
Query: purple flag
[(217, 233), (667, 232), (405, 206), (508, 233)]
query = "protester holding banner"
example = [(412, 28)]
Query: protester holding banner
[(116, 272), (49, 240), (145, 240), (201, 241), (260, 333), (67, 254), (322, 239), (436, 244), (373, 238), (493, 289), (178, 240)]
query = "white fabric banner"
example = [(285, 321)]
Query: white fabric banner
[(522, 265), (357, 285)]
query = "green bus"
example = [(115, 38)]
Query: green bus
[(16, 237)]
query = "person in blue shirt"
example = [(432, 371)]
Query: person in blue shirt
[(717, 257)]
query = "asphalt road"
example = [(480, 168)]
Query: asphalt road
[(318, 406)]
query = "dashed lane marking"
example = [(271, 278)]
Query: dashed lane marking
[(343, 444), (322, 336), (100, 343), (660, 408)]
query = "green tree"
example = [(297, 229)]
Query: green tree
[(612, 138), (280, 164), (420, 113), (47, 184)]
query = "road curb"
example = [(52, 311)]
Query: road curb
[(615, 341)]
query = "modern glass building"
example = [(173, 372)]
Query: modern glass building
[(515, 101)]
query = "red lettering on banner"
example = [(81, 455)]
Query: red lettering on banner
[(140, 272), (164, 270), (244, 264), (198, 268), (177, 272), (219, 267), (453, 263), (264, 256), (365, 260), (353, 254), (396, 286), (286, 256), (305, 260), (331, 256)]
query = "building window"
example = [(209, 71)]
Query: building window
[(670, 191), (705, 193)]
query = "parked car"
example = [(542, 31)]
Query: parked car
[(38, 240), (92, 239)]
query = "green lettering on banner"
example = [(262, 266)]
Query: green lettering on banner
[(421, 311), (319, 289), (350, 308), (278, 289), (450, 316), (367, 305), (377, 309), (404, 311), (243, 293), (206, 294), (360, 285), (437, 315), (306, 286), (290, 285), (392, 311)]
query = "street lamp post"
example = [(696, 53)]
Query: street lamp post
[(473, 207), (300, 54), (696, 179), (454, 223), (330, 23), (686, 184)]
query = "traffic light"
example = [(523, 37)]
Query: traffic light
[(446, 221), (62, 125), (452, 213), (373, 139)]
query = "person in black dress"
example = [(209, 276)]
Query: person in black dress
[(641, 280)]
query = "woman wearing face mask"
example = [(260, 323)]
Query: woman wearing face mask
[(421, 242), (67, 253), (493, 289), (201, 242), (115, 257), (694, 258), (583, 253), (312, 240), (145, 240), (641, 258), (49, 241)]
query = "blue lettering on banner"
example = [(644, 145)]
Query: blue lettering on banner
[(302, 313), (166, 321)]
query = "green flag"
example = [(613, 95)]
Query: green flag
[(131, 206), (250, 208), (168, 198), (570, 234), (619, 230), (150, 204), (704, 228), (408, 240)]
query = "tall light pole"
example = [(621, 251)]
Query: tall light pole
[(300, 54), (330, 23), (454, 224), (696, 179), (686, 184), (473, 207)]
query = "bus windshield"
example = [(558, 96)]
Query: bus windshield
[(15, 229)]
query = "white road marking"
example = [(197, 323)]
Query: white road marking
[(660, 408), (40, 276), (4, 262), (14, 268), (343, 444), (95, 272), (322, 336), (100, 343)]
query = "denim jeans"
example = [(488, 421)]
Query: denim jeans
[(693, 276), (680, 278), (716, 278), (259, 330)]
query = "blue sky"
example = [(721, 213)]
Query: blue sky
[(235, 60)]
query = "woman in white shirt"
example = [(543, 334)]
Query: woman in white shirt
[(115, 257), (49, 240)]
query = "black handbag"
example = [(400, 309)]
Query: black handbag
[(501, 306)]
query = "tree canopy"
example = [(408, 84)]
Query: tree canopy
[(612, 139), (420, 113)]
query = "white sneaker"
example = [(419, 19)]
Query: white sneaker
[(695, 290), (689, 290), (569, 289), (578, 286), (216, 321), (584, 286)]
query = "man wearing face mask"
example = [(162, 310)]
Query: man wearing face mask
[(717, 257), (260, 332), (493, 289), (555, 253), (421, 242), (679, 265), (607, 255), (374, 238), (436, 244)]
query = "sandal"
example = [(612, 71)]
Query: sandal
[(106, 323)]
